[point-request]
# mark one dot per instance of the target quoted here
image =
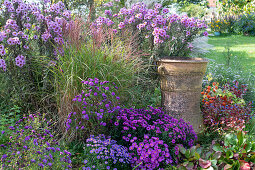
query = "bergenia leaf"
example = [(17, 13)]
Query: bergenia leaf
[(217, 147), (244, 165), (227, 167), (182, 149), (204, 164), (217, 155)]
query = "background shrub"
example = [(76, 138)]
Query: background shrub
[(245, 24), (194, 10), (224, 74)]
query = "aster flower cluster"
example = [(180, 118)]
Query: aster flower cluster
[(171, 31), (104, 153), (149, 153), (147, 133), (2, 64), (31, 145), (97, 103), (26, 22)]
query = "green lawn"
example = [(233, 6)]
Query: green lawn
[(243, 47)]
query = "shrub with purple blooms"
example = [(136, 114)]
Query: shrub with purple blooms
[(95, 108), (169, 35), (31, 145), (102, 152), (26, 23), (149, 133)]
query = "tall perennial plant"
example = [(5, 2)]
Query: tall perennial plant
[(172, 32)]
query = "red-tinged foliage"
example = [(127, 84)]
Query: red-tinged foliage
[(224, 107)]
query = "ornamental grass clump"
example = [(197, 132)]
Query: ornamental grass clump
[(149, 133), (96, 105), (31, 146), (224, 107), (102, 152)]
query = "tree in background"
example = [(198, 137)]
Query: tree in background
[(237, 7)]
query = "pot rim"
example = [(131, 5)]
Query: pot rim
[(179, 60)]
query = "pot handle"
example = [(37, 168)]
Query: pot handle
[(161, 69)]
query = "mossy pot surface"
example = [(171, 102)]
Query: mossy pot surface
[(181, 84)]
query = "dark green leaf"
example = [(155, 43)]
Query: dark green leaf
[(217, 147), (236, 165), (187, 153), (214, 162), (248, 147), (229, 154), (190, 165), (182, 149), (252, 159), (240, 137), (197, 156), (253, 147)]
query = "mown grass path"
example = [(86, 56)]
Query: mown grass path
[(243, 47)]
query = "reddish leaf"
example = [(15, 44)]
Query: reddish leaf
[(204, 164)]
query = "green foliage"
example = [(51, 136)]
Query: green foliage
[(197, 157), (194, 10), (235, 7), (250, 128), (8, 117), (237, 150), (182, 2), (30, 143), (245, 25)]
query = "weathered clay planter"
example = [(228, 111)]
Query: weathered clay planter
[(181, 85)]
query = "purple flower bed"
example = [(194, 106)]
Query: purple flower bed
[(32, 145), (104, 153), (151, 136)]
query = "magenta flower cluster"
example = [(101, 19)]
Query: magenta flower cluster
[(32, 145), (149, 133), (105, 153), (97, 103), (149, 152), (26, 22)]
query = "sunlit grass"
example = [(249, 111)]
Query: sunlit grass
[(234, 45)]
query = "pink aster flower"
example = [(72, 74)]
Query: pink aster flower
[(205, 33), (165, 11), (2, 52)]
